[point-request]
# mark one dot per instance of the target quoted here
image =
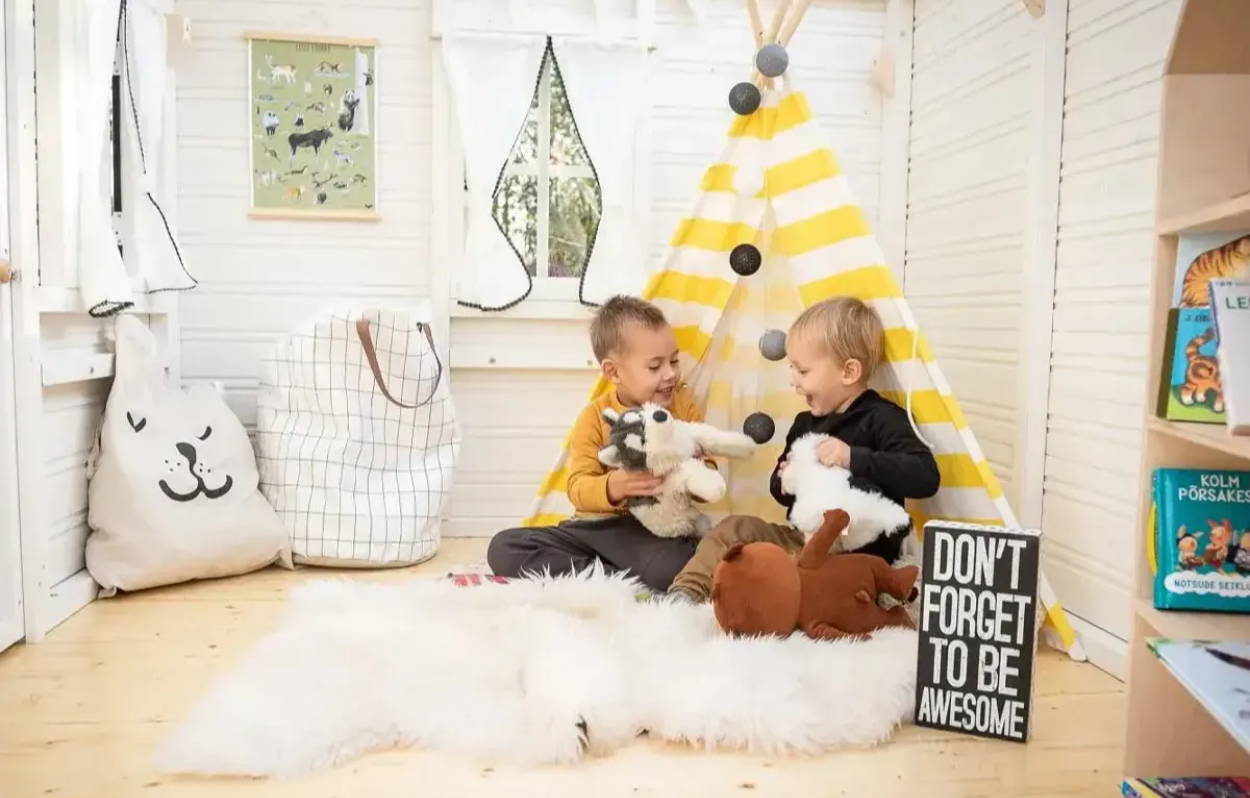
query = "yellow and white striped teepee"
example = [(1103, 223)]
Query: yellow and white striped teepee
[(779, 188)]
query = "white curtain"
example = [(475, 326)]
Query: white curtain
[(157, 255), (492, 82), (102, 276), (606, 87), (154, 254)]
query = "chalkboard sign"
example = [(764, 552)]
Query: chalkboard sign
[(977, 629)]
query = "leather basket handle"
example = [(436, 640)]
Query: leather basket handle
[(366, 342)]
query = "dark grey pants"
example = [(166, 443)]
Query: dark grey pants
[(620, 543)]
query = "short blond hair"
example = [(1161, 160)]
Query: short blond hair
[(846, 329), (607, 329)]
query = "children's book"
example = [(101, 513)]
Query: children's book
[(1204, 257), (1232, 787), (1201, 546), (1230, 310), (1215, 672), (1192, 389)]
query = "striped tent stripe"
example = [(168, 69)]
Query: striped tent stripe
[(778, 187)]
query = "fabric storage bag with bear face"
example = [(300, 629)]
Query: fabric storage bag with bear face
[(172, 483), (357, 439)]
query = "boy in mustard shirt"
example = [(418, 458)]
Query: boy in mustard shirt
[(637, 352)]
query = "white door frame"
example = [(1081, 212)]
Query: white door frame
[(19, 249), (20, 318)]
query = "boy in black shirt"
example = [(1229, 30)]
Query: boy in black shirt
[(833, 348)]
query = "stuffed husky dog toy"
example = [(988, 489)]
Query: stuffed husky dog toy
[(648, 438), (817, 488)]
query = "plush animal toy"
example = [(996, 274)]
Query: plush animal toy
[(760, 589), (650, 439), (817, 488)]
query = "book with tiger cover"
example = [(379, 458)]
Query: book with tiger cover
[(1230, 309), (1192, 389), (1199, 547)]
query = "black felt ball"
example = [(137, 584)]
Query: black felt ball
[(759, 427), (772, 60), (773, 344), (744, 98), (745, 259)]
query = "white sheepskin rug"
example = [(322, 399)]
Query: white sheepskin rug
[(530, 672)]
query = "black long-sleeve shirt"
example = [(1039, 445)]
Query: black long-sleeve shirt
[(884, 449)]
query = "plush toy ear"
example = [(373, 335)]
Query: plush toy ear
[(610, 456), (610, 415), (733, 552), (863, 597)]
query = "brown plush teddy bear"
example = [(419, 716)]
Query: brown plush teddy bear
[(760, 589)]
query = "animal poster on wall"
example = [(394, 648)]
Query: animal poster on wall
[(313, 126), (977, 629)]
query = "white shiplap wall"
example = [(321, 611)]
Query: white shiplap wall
[(1115, 56), (514, 419), (260, 278), (967, 206)]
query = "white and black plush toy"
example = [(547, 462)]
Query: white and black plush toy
[(817, 487), (648, 438)]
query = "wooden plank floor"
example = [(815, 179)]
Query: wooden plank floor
[(81, 713)]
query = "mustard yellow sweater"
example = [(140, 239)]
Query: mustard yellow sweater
[(588, 478)]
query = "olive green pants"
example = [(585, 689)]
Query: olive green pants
[(695, 580)]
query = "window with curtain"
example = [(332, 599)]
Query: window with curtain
[(548, 202), (115, 146), (549, 127)]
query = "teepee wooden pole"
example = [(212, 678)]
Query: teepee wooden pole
[(771, 36), (778, 17), (792, 24), (757, 22)]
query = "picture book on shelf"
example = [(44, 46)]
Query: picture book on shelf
[(1204, 257), (1200, 524), (1197, 787), (1192, 389), (1217, 673), (1230, 310)]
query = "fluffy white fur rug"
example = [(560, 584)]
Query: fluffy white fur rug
[(532, 672)]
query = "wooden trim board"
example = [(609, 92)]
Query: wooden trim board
[(313, 38), (294, 215), (1048, 69)]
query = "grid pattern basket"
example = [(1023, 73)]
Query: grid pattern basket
[(357, 438)]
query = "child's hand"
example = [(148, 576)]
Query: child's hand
[(833, 452), (624, 484)]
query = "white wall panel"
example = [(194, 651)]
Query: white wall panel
[(967, 207), (1115, 55), (260, 278)]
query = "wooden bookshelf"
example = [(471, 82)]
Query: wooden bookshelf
[(1204, 186), (1228, 215), (1211, 436), (1183, 625)]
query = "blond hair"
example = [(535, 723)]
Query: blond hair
[(607, 329), (846, 329)]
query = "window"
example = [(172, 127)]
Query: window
[(115, 144), (548, 201)]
